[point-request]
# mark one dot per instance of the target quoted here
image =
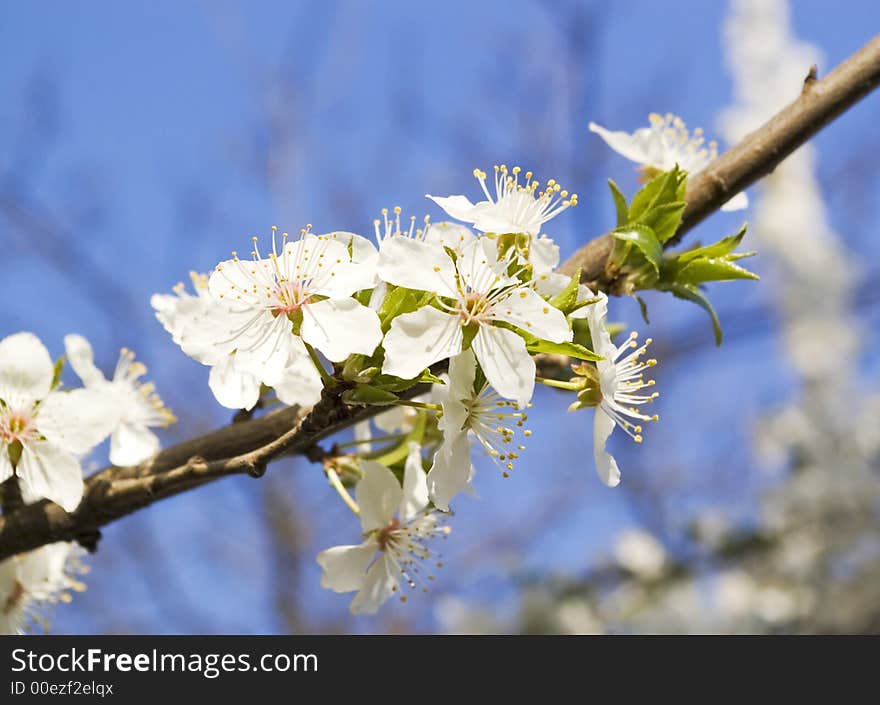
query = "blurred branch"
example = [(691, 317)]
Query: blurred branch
[(248, 446), (758, 154)]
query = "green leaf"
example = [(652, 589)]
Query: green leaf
[(398, 452), (661, 190), (721, 248), (401, 300), (691, 293), (566, 300), (429, 377), (644, 239), (367, 394), (570, 349), (708, 269), (665, 219), (620, 204)]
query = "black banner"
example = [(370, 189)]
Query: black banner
[(385, 668)]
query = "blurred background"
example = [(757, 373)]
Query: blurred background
[(139, 141)]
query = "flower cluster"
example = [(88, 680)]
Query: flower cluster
[(45, 431), (463, 307)]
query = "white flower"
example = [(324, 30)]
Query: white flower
[(137, 406), (620, 380), (664, 144), (43, 431), (396, 526), (474, 292), (32, 579), (480, 412), (309, 283), (516, 208), (181, 314)]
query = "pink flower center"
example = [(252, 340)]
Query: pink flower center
[(386, 533), (16, 426), (289, 297)]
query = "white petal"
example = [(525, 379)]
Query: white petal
[(479, 266), (325, 265), (551, 283), (379, 584), (131, 444), (81, 359), (267, 350), (232, 387), (363, 434), (300, 383), (419, 339), (341, 327), (26, 369), (364, 253), (625, 144), (606, 465), (345, 567), (5, 463), (452, 235), (462, 372), (377, 296), (417, 265), (458, 207), (525, 309), (378, 494), (77, 421), (415, 487), (393, 420), (737, 203), (506, 363), (451, 472), (42, 571), (543, 254), (585, 294), (48, 472), (245, 281)]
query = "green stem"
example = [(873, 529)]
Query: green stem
[(333, 476), (418, 405), (326, 378), (571, 386)]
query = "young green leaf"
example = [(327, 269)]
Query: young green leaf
[(620, 204), (570, 349), (644, 239), (719, 249), (369, 395), (661, 190), (566, 300), (708, 269)]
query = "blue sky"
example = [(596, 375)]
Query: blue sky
[(141, 140)]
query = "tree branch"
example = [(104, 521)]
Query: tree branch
[(246, 447), (758, 154)]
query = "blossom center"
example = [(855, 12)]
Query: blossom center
[(386, 534), (473, 308), (288, 297), (18, 426)]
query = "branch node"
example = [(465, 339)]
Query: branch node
[(257, 469), (811, 77)]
